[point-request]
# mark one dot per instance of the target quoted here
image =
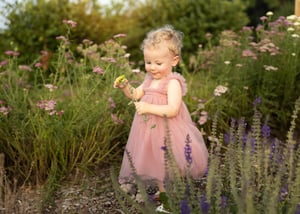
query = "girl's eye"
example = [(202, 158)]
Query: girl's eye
[(158, 63)]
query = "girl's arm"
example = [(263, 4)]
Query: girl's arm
[(133, 93), (171, 109)]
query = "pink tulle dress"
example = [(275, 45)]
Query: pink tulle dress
[(146, 139)]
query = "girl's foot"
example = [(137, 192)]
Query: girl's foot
[(161, 209), (139, 198), (128, 188), (164, 207)]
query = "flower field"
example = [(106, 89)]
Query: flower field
[(60, 114)]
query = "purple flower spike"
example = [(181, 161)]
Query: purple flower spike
[(188, 150), (184, 207)]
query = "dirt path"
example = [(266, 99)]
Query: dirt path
[(82, 195)]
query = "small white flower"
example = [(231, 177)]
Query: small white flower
[(50, 87), (127, 55), (270, 68), (291, 29), (219, 90), (294, 35), (270, 13), (293, 54), (136, 70), (291, 17), (213, 139), (227, 62)]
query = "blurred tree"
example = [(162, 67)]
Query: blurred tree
[(258, 8), (195, 18), (33, 25)]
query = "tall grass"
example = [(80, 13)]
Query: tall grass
[(60, 114), (249, 172)]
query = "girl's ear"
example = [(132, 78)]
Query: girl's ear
[(175, 60)]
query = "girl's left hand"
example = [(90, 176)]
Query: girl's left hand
[(141, 107)]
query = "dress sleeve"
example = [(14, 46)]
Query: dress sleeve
[(181, 80)]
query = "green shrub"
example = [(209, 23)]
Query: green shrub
[(63, 118), (260, 62)]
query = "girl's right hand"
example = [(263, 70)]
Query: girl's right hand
[(120, 82)]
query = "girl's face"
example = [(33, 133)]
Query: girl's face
[(159, 61)]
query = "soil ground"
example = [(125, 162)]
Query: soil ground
[(83, 195)]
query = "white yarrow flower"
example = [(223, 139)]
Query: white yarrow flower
[(291, 17), (136, 70), (219, 90)]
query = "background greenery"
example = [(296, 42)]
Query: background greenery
[(40, 21)]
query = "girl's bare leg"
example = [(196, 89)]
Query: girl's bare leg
[(161, 187)]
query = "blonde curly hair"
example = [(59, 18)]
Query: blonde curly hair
[(167, 35)]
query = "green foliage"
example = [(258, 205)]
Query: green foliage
[(261, 62), (249, 172), (52, 124)]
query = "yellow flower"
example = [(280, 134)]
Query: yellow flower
[(120, 80)]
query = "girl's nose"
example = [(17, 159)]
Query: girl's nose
[(152, 66)]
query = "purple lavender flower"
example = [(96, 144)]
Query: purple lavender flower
[(227, 138), (205, 207), (184, 207), (297, 209), (257, 101), (283, 192), (253, 144), (266, 131), (223, 203), (164, 148), (188, 150)]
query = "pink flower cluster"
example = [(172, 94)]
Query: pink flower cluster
[(203, 117), (49, 106), (70, 22), (116, 119), (50, 87), (98, 70), (25, 68), (4, 110), (12, 53)]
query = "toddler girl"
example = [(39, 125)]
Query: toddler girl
[(157, 99)]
